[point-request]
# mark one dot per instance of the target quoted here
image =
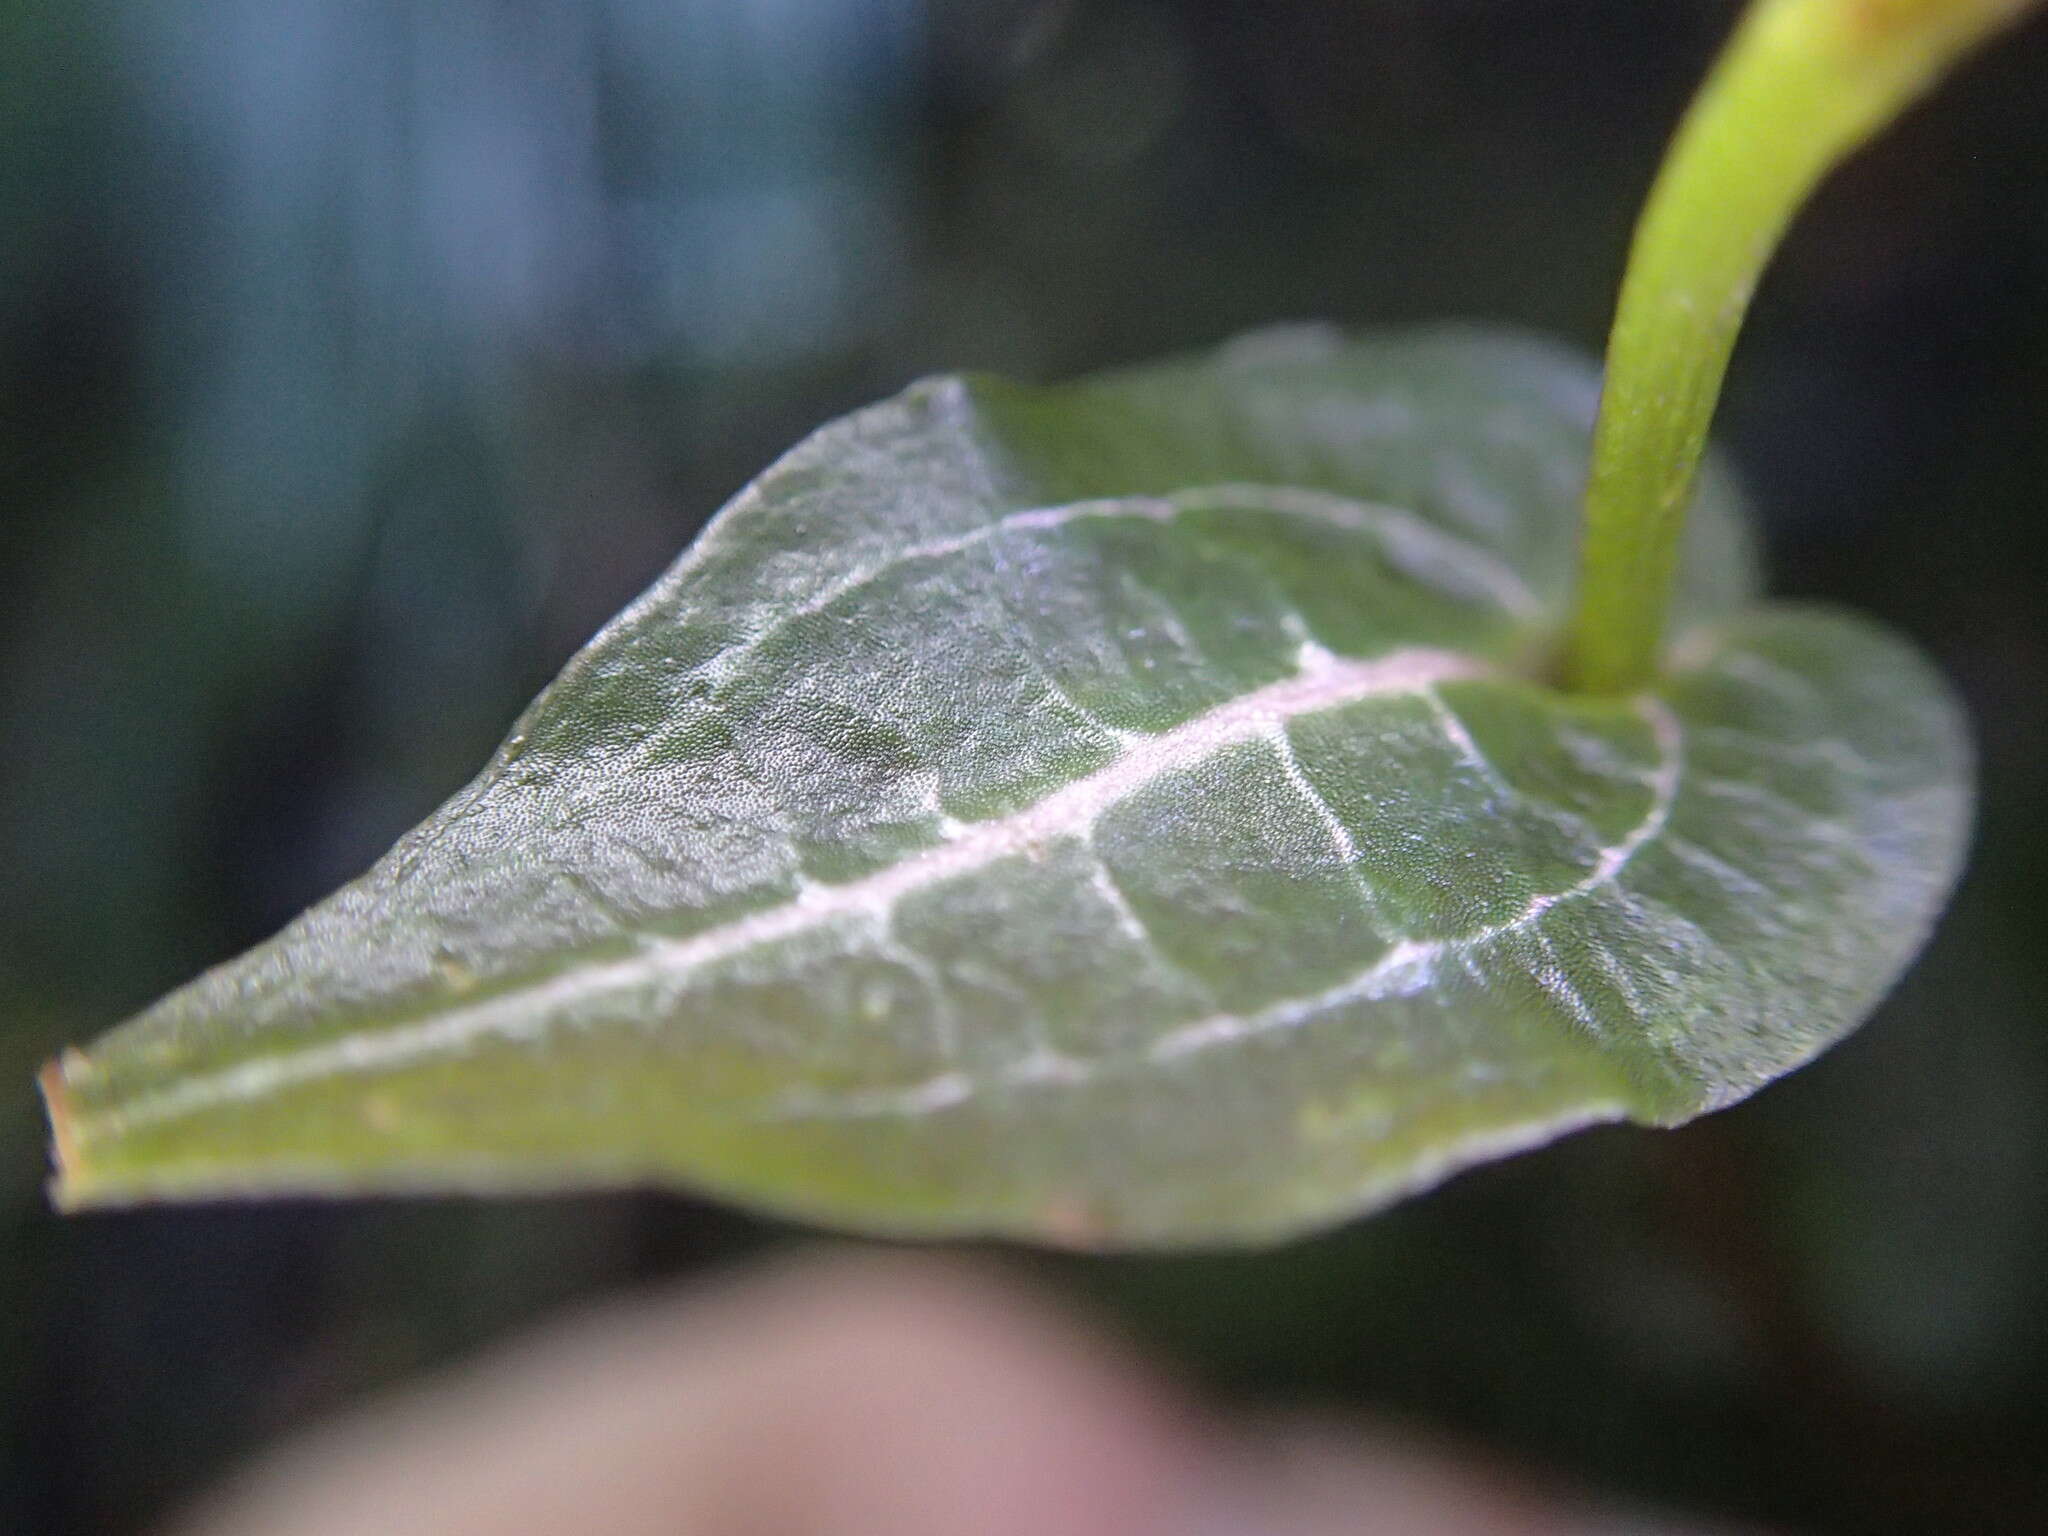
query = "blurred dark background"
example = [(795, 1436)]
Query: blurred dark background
[(359, 357)]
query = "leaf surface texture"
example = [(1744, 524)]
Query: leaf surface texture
[(1122, 813)]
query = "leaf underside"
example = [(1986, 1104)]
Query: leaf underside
[(1123, 813)]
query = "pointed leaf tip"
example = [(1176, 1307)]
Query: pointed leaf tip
[(63, 1146)]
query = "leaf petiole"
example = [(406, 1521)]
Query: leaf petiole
[(1801, 85)]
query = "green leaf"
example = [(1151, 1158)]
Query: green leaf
[(1121, 813)]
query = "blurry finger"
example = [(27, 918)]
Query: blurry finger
[(863, 1398), (856, 1398)]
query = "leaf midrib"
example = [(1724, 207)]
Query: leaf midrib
[(1324, 681), (1406, 967)]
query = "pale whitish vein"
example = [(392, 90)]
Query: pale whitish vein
[(944, 1016), (1069, 812), (1786, 818), (1105, 884), (1718, 869), (1462, 742), (1408, 967), (1396, 525), (1493, 575), (1282, 742), (1054, 689), (1404, 969), (1768, 676), (1620, 977), (1558, 982), (1828, 753), (1345, 844), (1112, 894)]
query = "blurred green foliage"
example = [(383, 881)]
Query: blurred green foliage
[(358, 359)]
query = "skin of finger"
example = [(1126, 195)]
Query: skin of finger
[(841, 1398)]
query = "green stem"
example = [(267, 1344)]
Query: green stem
[(1800, 85)]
